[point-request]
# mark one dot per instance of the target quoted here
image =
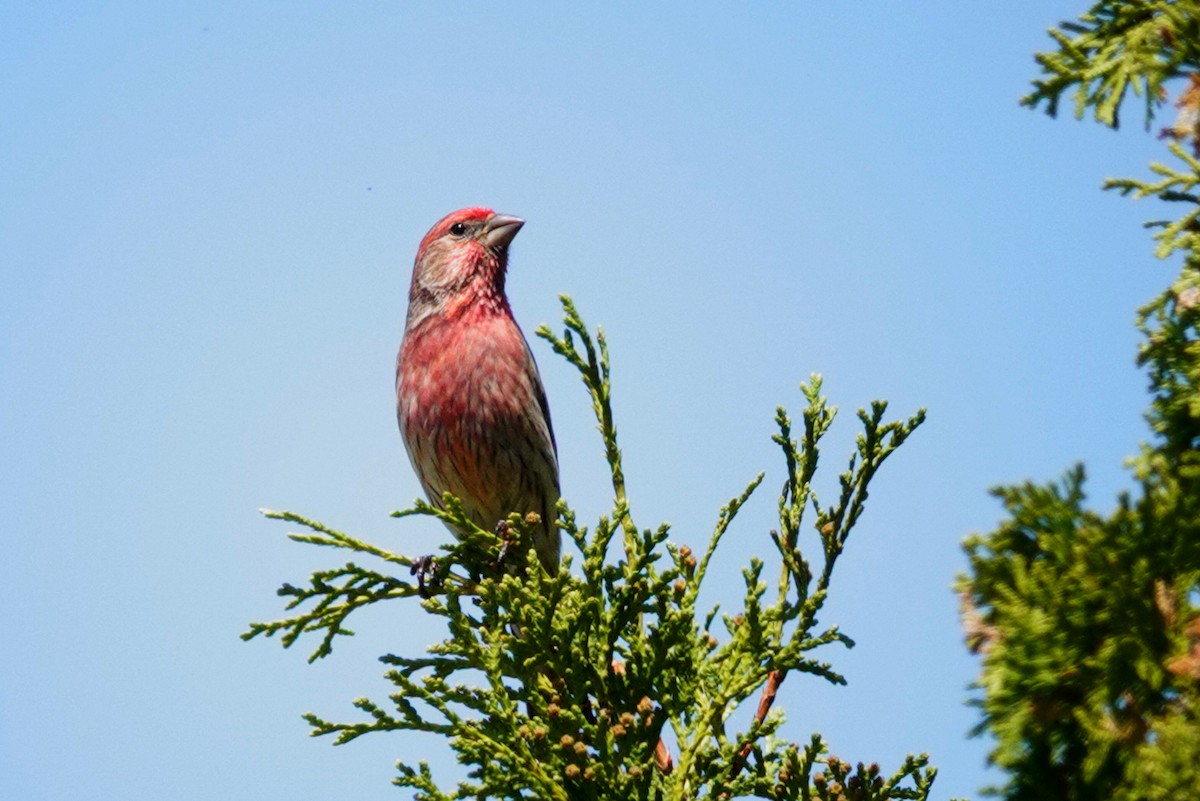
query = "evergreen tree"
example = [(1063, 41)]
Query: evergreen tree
[(1088, 625), (606, 680)]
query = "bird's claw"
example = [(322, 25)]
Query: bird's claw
[(505, 533), (422, 567)]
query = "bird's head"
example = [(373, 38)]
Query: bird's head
[(463, 258)]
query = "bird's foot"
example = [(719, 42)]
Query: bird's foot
[(506, 534), (422, 567)]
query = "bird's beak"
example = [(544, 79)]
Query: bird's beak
[(500, 230)]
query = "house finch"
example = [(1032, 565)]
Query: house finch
[(469, 399)]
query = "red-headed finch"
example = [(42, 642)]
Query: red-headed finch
[(469, 399)]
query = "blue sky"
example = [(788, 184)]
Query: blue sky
[(209, 218)]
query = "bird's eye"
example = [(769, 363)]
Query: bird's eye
[(458, 229)]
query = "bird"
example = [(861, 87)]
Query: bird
[(470, 402)]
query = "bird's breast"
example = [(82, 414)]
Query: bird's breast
[(468, 409), (464, 385)]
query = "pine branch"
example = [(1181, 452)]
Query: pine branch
[(1081, 619), (1115, 48)]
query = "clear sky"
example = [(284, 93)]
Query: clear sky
[(208, 218)]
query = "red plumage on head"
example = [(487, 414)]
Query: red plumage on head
[(442, 226)]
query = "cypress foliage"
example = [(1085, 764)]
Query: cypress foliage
[(607, 680), (1088, 625)]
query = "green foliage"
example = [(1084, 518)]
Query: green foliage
[(1116, 47), (1089, 625), (1176, 186), (607, 680), (1168, 768), (1073, 616)]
